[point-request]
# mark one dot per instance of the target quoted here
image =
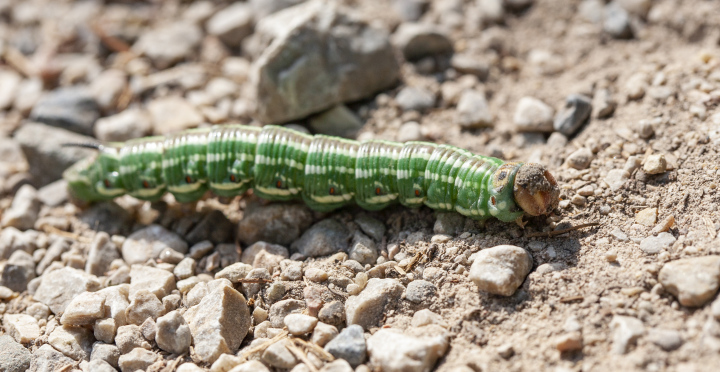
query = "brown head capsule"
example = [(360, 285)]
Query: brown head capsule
[(535, 189)]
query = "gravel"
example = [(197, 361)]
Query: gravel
[(349, 345), (500, 270)]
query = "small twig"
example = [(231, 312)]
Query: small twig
[(571, 299), (320, 352), (54, 230), (301, 355), (113, 43), (264, 345), (563, 231)]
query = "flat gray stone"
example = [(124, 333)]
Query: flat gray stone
[(367, 308), (694, 281), (500, 270), (349, 345), (324, 238), (150, 242)]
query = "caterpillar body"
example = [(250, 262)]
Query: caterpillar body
[(326, 172)]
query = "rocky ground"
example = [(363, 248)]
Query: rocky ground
[(619, 100)]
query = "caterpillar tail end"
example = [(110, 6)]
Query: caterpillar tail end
[(536, 190)]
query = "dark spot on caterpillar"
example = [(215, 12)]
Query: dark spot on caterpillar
[(492, 200), (188, 179), (377, 191), (233, 178), (417, 192), (502, 175), (332, 191), (107, 183), (146, 184), (279, 184)]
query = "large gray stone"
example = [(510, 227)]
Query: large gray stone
[(324, 238), (367, 308), (694, 281), (73, 109), (60, 286), (500, 270), (274, 223), (13, 356), (319, 55)]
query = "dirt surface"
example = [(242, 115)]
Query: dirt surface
[(582, 283)]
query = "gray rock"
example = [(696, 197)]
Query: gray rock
[(11, 240), (617, 22), (144, 305), (281, 309), (320, 55), (149, 242), (323, 333), (349, 345), (300, 324), (251, 289), (370, 226), (45, 358), (580, 159), (235, 272), (214, 227), (232, 24), (73, 109), (169, 44), (101, 255), (410, 131), (626, 331), (603, 103), (577, 110), (264, 255), (393, 351), (275, 223), (185, 268), (73, 342), (414, 98), (125, 125), (666, 339), (107, 88), (23, 211), (694, 281), (105, 352), (137, 359), (218, 323), (54, 193), (324, 238), (500, 270), (156, 281), (108, 217), (473, 110), (410, 10), (278, 355), (60, 286), (655, 244), (173, 114), (18, 271), (420, 291), (173, 333), (449, 223), (130, 337), (591, 10), (332, 313), (363, 249), (367, 308), (533, 115), (53, 253), (468, 64), (84, 309), (337, 121), (418, 40)]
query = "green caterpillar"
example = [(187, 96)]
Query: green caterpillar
[(326, 172)]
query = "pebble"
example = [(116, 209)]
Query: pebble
[(299, 324), (71, 108), (249, 366), (130, 337), (137, 359), (617, 22), (323, 333), (173, 333), (264, 255), (363, 249), (185, 269), (59, 287), (107, 353), (23, 328), (144, 305), (656, 244), (332, 313), (18, 271), (473, 110), (367, 308), (156, 281), (533, 115), (9, 84), (278, 355), (73, 342), (108, 217), (218, 323), (500, 270), (349, 345), (169, 44), (577, 110), (281, 309), (666, 339), (655, 164), (580, 159), (418, 40), (84, 309), (23, 211), (694, 281), (232, 24), (102, 253), (324, 238), (308, 38), (603, 103), (189, 367), (616, 179), (125, 125), (338, 121), (420, 291), (426, 317), (235, 272), (410, 131), (468, 64), (647, 217), (393, 351), (569, 342), (173, 114), (626, 330), (200, 249), (275, 223), (415, 98), (107, 88), (100, 366), (636, 86), (27, 95), (45, 358), (251, 289), (149, 242), (664, 225), (225, 363), (316, 275)]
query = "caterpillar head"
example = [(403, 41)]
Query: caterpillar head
[(96, 178), (535, 189)]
